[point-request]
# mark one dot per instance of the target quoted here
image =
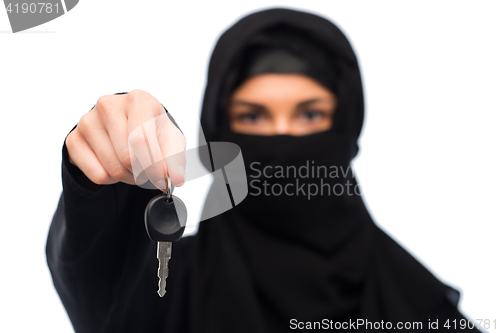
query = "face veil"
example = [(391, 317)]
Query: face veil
[(295, 255)]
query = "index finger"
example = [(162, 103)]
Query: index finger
[(157, 149)]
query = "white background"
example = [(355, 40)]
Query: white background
[(429, 156)]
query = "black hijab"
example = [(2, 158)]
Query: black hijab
[(274, 258)]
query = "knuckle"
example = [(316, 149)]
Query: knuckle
[(104, 103), (136, 93), (83, 124), (73, 145), (138, 96), (70, 140)]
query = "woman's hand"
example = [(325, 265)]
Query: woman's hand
[(117, 139)]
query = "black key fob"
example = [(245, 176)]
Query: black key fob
[(165, 218)]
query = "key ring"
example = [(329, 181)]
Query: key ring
[(169, 190)]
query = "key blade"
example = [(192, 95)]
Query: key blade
[(164, 250), (162, 286), (162, 282)]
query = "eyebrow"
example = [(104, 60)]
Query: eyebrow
[(312, 100), (255, 105), (260, 106)]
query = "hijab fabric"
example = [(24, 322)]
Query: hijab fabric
[(278, 257)]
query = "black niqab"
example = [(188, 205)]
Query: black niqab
[(275, 258)]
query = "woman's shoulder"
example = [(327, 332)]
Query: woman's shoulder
[(183, 246), (186, 240)]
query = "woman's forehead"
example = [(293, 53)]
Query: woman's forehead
[(271, 86)]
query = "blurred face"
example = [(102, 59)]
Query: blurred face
[(271, 104)]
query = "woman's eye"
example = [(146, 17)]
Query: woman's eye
[(312, 114), (250, 117)]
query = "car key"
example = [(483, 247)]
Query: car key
[(165, 219)]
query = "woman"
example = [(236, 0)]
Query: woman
[(285, 86)]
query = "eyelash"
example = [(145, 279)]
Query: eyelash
[(309, 115), (317, 114), (249, 117)]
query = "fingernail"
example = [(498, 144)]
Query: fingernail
[(161, 184), (182, 172)]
